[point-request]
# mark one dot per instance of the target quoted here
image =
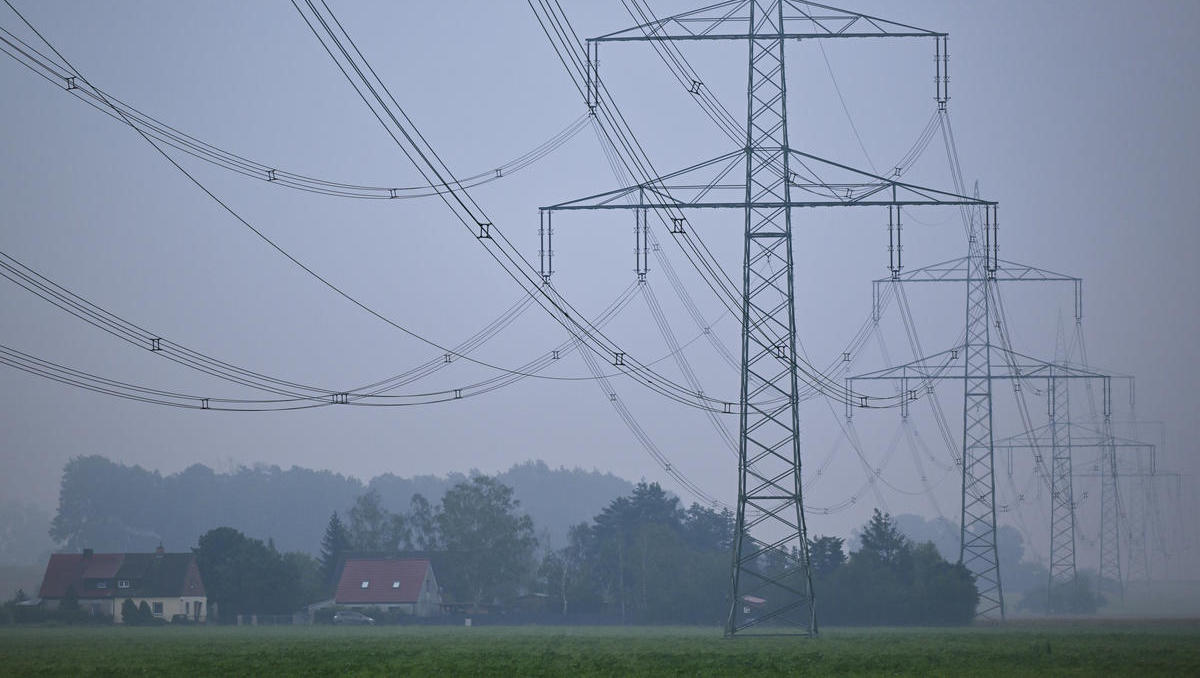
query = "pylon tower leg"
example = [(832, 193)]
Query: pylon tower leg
[(771, 583), (1110, 548), (978, 527), (1062, 494)]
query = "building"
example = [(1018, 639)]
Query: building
[(404, 585), (169, 583)]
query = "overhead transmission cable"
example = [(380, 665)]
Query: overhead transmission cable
[(377, 393), (350, 61), (62, 77), (261, 235)]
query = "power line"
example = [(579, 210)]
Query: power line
[(61, 77)]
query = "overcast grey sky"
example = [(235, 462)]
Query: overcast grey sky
[(1079, 117)]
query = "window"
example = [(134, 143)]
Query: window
[(158, 610), (365, 584), (122, 583), (101, 584), (396, 584)]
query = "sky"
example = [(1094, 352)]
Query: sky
[(1078, 117)]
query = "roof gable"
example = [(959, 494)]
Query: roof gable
[(389, 580), (63, 570), (151, 575)]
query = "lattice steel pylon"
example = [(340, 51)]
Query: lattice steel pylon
[(982, 271), (1109, 446), (770, 582), (978, 550), (978, 546)]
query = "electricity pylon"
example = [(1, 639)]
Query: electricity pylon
[(770, 582), (978, 548), (1077, 436)]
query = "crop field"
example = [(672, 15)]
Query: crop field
[(1030, 649)]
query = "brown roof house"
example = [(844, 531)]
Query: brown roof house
[(404, 585), (169, 582)]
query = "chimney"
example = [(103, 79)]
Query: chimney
[(87, 553)]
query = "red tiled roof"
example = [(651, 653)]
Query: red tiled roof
[(382, 576), (63, 570)]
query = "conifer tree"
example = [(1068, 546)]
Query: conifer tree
[(334, 545)]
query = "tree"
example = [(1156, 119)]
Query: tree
[(825, 555), (70, 600), (244, 576), (107, 506), (708, 530), (374, 528), (489, 544), (134, 615), (882, 540), (305, 571), (333, 545), (890, 580), (129, 613), (421, 518)]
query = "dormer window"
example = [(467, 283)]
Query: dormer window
[(122, 583), (365, 584), (396, 584)]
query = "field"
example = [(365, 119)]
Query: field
[(1030, 649)]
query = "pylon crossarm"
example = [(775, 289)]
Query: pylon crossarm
[(955, 270), (1080, 436), (1015, 366), (731, 21), (826, 183)]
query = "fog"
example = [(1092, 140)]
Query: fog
[(1078, 117)]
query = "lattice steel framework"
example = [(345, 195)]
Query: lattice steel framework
[(770, 582), (1110, 513), (981, 270), (1107, 469), (978, 547), (1062, 492)]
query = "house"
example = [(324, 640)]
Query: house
[(169, 583), (404, 585)]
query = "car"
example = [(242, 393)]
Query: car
[(352, 618)]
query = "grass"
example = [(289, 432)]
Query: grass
[(1120, 648)]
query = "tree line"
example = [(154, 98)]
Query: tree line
[(643, 559), (108, 506)]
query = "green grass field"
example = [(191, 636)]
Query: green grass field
[(1120, 648)]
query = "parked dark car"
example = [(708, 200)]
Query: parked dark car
[(352, 618)]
